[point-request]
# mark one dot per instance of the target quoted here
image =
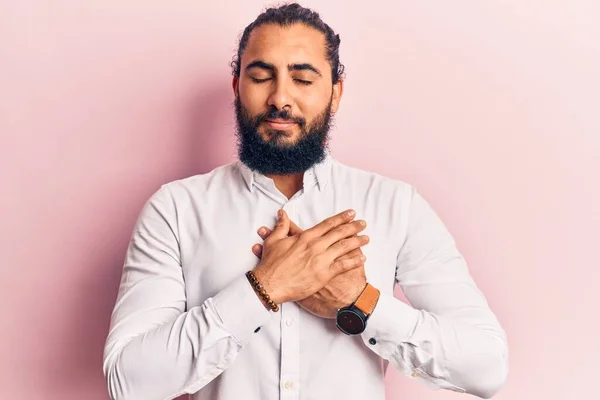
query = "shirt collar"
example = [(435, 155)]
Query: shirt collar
[(320, 171)]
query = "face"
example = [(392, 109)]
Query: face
[(284, 99)]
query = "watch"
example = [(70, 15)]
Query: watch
[(352, 319)]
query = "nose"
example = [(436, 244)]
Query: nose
[(280, 96)]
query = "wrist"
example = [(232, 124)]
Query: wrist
[(368, 299), (267, 286), (354, 296), (352, 320)]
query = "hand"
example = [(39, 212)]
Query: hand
[(341, 291), (295, 267)]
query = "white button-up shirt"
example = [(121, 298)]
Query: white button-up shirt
[(187, 320)]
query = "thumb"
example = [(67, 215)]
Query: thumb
[(282, 227), (295, 229)]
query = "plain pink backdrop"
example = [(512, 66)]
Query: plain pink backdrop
[(491, 108)]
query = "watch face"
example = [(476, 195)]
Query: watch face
[(350, 321)]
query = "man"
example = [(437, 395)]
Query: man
[(310, 313)]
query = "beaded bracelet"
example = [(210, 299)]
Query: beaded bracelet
[(261, 290)]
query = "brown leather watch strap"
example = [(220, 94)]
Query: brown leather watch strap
[(367, 300)]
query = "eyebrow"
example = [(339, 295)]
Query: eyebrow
[(291, 67)]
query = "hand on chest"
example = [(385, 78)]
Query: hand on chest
[(223, 252)]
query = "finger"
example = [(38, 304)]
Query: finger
[(282, 227), (257, 250), (348, 264), (345, 246), (264, 232), (344, 231), (353, 253), (328, 224)]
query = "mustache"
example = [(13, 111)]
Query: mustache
[(274, 113)]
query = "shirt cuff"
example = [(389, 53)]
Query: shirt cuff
[(392, 321), (240, 309)]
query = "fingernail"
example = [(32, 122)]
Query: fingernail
[(279, 214), (363, 258), (350, 213), (261, 231)]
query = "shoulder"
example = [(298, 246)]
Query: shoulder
[(369, 180), (220, 177)]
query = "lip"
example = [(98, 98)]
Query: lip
[(279, 123)]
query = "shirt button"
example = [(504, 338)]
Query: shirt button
[(288, 385), (373, 341), (415, 374), (289, 322)]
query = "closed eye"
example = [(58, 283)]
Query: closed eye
[(303, 82), (300, 81), (256, 80)]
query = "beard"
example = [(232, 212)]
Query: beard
[(275, 156)]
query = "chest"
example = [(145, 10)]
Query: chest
[(219, 247)]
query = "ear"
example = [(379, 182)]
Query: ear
[(234, 85), (336, 97)]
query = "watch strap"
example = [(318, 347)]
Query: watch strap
[(367, 300)]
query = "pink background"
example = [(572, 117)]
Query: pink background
[(489, 107)]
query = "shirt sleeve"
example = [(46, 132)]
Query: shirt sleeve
[(156, 348), (449, 338)]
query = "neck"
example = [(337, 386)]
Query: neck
[(288, 184)]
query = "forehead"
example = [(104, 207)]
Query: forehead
[(283, 45)]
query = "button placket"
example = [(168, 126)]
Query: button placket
[(290, 351), (290, 339)]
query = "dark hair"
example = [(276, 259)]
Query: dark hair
[(287, 15)]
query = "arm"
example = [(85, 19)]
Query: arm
[(450, 339), (155, 348)]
